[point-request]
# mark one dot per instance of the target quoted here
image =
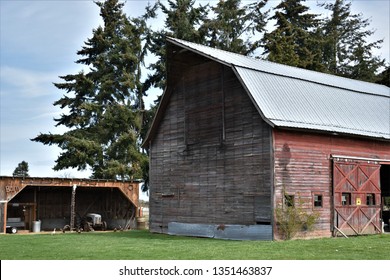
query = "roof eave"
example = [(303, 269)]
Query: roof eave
[(334, 133)]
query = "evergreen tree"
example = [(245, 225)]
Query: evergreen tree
[(384, 77), (104, 105), (364, 64), (21, 170), (182, 21), (226, 30), (232, 25), (293, 40), (346, 50)]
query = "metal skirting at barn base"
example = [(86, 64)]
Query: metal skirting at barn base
[(233, 232)]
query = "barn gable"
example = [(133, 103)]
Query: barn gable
[(209, 142), (297, 98), (232, 133)]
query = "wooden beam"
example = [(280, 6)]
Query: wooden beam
[(339, 230)]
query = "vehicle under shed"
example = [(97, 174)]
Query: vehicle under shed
[(51, 201)]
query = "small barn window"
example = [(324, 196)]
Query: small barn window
[(289, 200), (346, 199), (317, 200), (167, 195), (370, 199)]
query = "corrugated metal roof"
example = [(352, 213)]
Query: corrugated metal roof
[(297, 103), (297, 98)]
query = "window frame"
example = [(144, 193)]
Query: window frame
[(289, 200), (348, 200), (372, 201), (314, 200)]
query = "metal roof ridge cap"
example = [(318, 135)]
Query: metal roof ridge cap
[(178, 42), (260, 60), (318, 72)]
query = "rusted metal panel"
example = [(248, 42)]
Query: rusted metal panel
[(187, 229), (232, 232)]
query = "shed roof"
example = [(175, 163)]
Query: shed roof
[(292, 97), (11, 186)]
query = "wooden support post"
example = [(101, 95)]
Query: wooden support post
[(3, 213), (72, 207)]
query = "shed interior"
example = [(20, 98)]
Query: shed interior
[(385, 193), (52, 206)]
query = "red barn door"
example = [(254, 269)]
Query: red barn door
[(357, 197)]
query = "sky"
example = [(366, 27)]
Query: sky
[(38, 43)]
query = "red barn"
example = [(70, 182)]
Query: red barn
[(234, 137)]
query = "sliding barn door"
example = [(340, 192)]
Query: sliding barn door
[(2, 216), (357, 198)]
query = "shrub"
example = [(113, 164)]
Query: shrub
[(292, 217)]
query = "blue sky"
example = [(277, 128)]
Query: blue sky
[(38, 43)]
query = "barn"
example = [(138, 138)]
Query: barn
[(235, 138), (54, 203)]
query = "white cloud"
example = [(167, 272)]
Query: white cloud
[(41, 160), (25, 83)]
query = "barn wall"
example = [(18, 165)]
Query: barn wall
[(210, 158), (303, 167)]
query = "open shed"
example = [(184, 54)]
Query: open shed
[(234, 138), (52, 200)]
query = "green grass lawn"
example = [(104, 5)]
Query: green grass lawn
[(142, 245)]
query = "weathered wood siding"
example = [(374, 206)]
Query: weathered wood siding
[(304, 167), (210, 160)]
